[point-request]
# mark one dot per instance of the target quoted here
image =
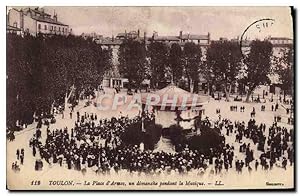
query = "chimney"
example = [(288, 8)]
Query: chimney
[(43, 12), (55, 17), (138, 33), (208, 37), (145, 36), (22, 19), (180, 34)]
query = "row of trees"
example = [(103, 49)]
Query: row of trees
[(159, 63), (223, 65), (285, 69), (47, 71)]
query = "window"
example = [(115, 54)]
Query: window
[(58, 28), (51, 28), (54, 28), (39, 26), (45, 27)]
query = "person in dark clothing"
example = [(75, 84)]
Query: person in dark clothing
[(284, 163), (256, 165), (22, 159), (18, 154), (33, 151)]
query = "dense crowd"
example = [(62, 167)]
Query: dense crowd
[(96, 144), (275, 145)]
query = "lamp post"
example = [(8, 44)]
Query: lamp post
[(142, 146)]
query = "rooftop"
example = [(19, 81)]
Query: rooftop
[(163, 38), (48, 20), (195, 37), (39, 11), (42, 16), (12, 28), (109, 41), (280, 38)]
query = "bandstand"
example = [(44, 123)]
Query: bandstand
[(174, 106)]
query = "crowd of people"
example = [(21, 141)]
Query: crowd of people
[(96, 144), (234, 108), (19, 157), (275, 145)]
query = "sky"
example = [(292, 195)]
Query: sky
[(229, 22)]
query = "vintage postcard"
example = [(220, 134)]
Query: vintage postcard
[(150, 98)]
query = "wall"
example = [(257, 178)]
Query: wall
[(204, 41), (14, 17), (49, 31), (30, 25), (281, 41)]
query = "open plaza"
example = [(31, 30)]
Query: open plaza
[(255, 176)]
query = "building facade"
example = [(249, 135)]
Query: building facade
[(35, 21), (202, 40), (113, 43)]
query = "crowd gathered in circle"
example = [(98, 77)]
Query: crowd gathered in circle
[(96, 144)]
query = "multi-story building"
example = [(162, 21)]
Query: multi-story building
[(35, 21), (202, 40), (280, 45), (281, 41), (113, 78), (94, 36)]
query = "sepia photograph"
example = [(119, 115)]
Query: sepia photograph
[(150, 98)]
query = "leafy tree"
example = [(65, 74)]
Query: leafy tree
[(158, 56), (208, 139), (132, 59), (18, 70), (132, 134), (257, 65), (192, 64), (224, 63), (152, 135), (176, 62), (284, 69), (207, 74), (41, 70)]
